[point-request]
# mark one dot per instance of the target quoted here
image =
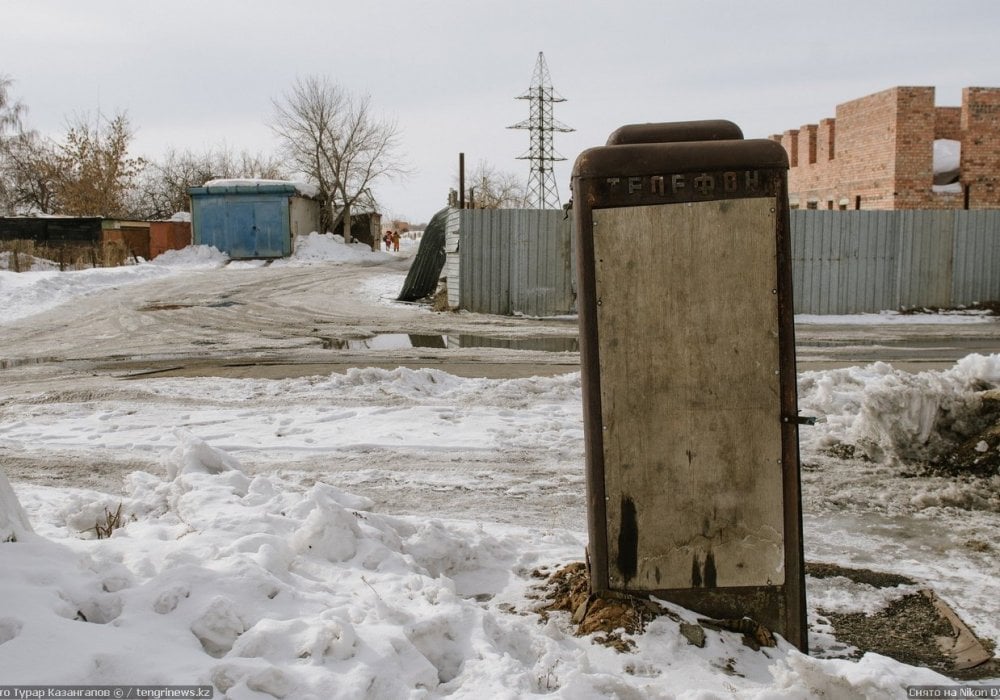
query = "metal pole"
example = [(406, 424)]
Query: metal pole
[(461, 181)]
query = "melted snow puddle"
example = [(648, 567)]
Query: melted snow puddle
[(402, 341)]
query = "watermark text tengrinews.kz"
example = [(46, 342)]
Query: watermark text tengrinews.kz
[(105, 692)]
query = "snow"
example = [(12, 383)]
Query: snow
[(884, 318), (304, 188), (946, 165), (24, 294), (250, 559), (947, 155), (14, 524), (330, 248)]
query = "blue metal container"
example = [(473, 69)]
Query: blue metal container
[(251, 219)]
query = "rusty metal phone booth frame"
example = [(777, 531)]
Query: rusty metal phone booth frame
[(688, 370)]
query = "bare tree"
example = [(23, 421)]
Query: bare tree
[(11, 130), (11, 110), (162, 190), (494, 189), (30, 173), (97, 169), (333, 138), (89, 173)]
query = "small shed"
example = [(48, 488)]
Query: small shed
[(132, 236), (252, 218), (172, 234), (68, 237)]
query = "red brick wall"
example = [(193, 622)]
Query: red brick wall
[(880, 148), (980, 161), (916, 120), (949, 123)]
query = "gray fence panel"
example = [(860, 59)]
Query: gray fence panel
[(977, 257), (816, 243), (530, 261), (869, 262), (523, 261), (843, 262), (882, 272), (514, 261), (802, 255), (926, 244), (541, 276)]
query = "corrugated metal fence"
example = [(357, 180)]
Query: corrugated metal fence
[(843, 262), (846, 262), (511, 261)]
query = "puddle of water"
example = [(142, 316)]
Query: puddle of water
[(402, 341), (544, 344)]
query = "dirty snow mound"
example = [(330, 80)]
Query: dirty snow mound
[(14, 523)]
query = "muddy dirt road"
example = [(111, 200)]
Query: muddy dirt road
[(295, 321)]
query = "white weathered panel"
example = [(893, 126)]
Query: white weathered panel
[(303, 216), (452, 264), (688, 348)]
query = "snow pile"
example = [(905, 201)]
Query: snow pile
[(329, 247), (14, 525), (181, 216), (890, 414), (890, 318), (26, 262), (261, 589), (304, 188), (838, 594), (192, 257), (24, 294), (947, 155), (194, 455), (947, 164)]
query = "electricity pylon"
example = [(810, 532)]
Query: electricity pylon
[(542, 190)]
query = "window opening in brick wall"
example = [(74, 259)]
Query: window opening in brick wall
[(947, 166)]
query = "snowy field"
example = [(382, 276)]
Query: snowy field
[(376, 533)]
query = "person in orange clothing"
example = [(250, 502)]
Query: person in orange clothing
[(395, 241)]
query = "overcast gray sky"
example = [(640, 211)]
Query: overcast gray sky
[(193, 75)]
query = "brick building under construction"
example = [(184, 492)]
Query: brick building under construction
[(879, 153)]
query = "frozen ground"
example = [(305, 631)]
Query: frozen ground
[(372, 531)]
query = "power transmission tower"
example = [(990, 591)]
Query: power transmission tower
[(542, 190)]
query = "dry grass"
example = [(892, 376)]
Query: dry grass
[(112, 521), (24, 253)]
